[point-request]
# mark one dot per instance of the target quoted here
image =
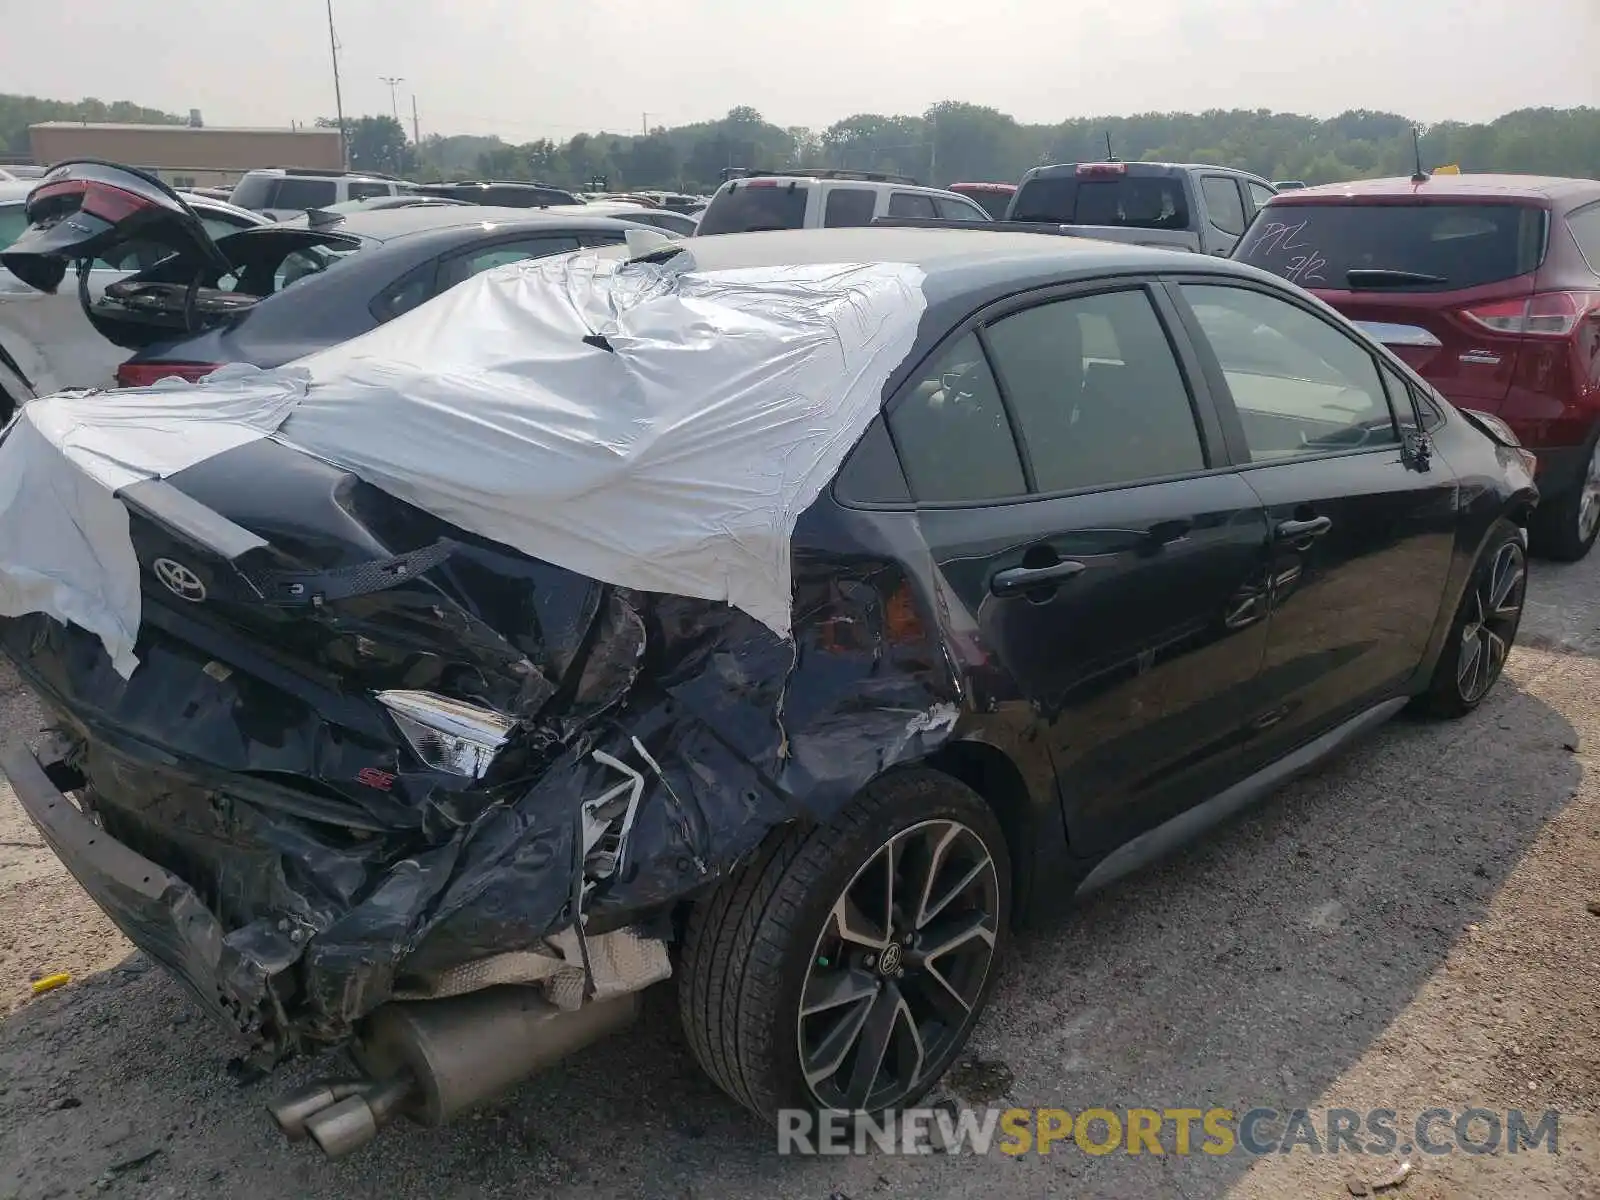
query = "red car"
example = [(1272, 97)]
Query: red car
[(1489, 286), (994, 198)]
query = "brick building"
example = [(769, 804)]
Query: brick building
[(186, 155)]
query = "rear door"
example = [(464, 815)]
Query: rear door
[(1108, 572), (1361, 531), (1431, 280)]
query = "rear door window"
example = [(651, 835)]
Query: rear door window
[(1396, 247), (952, 433), (1223, 204), (360, 191), (912, 204), (1260, 193), (1131, 201), (1096, 392), (304, 193), (757, 205), (846, 208)]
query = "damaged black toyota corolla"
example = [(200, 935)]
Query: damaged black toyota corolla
[(910, 581)]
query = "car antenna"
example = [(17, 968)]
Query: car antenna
[(1416, 145), (1110, 157)]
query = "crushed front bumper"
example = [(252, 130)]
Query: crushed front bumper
[(159, 913)]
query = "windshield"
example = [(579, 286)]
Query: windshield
[(1131, 201), (752, 207), (1395, 247)]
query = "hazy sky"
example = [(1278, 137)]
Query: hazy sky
[(526, 69)]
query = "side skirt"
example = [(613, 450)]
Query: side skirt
[(1189, 824)]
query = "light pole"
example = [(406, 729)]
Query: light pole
[(338, 99), (393, 81)]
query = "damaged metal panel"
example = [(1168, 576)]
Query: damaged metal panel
[(333, 895)]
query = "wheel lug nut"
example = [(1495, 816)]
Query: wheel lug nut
[(871, 961), (900, 974)]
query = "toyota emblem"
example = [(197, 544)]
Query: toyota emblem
[(179, 580)]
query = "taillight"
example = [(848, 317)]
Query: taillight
[(1105, 168), (1547, 314), (132, 374), (101, 200)]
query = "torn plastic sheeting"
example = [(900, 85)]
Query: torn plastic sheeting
[(678, 461), (64, 543)]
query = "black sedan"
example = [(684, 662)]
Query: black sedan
[(1130, 538), (281, 292)]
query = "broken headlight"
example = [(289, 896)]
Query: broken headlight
[(448, 735)]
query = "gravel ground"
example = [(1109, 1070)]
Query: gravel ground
[(1407, 928)]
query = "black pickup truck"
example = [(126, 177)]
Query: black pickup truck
[(1175, 205)]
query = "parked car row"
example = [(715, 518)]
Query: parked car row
[(186, 296), (533, 650)]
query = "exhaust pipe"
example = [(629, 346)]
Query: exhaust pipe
[(433, 1059)]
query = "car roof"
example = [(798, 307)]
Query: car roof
[(16, 189), (386, 224), (318, 173), (1052, 170), (1488, 187), (954, 257)]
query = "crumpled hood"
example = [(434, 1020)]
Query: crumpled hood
[(642, 424)]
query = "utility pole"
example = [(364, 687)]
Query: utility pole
[(393, 81), (338, 99), (644, 124), (416, 125)]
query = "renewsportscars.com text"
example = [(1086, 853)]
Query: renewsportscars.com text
[(1178, 1131)]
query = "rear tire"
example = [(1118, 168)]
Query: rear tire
[(1565, 526), (772, 984), (1484, 629)]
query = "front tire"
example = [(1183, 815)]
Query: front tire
[(843, 967), (1484, 629)]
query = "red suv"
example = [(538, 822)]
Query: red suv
[(1487, 285)]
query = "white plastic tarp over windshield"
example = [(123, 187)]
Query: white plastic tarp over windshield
[(645, 424)]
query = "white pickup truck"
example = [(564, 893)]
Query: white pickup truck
[(1181, 206)]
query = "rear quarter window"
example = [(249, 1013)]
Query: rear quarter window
[(253, 191), (1425, 247), (753, 207)]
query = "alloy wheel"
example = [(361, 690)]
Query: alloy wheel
[(1589, 498), (1494, 611), (899, 968)]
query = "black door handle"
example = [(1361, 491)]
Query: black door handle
[(1025, 579), (1296, 531)]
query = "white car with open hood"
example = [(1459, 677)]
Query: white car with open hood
[(47, 343)]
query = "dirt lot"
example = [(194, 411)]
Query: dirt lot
[(1408, 928)]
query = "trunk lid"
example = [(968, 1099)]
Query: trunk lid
[(1422, 275), (86, 209)]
